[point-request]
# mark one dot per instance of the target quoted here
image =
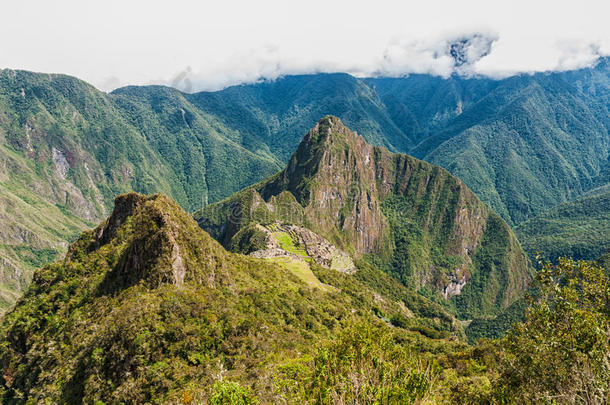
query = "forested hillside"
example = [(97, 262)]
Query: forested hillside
[(523, 144), (148, 308), (66, 149), (579, 229)]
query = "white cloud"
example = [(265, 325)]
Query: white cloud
[(456, 53), (113, 43)]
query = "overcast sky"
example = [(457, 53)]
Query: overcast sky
[(208, 45)]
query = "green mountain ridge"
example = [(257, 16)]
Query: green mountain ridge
[(579, 229), (412, 219), (67, 149), (499, 136), (523, 144), (148, 308)]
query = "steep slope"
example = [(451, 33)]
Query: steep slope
[(521, 144), (579, 229), (543, 145), (422, 105), (148, 308), (210, 160), (410, 218), (278, 110), (66, 149)]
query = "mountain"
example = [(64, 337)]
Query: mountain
[(277, 112), (410, 218), (523, 144), (148, 308), (579, 229), (66, 149)]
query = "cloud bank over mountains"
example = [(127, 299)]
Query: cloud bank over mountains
[(210, 45), (463, 54)]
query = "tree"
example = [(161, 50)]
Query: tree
[(561, 352)]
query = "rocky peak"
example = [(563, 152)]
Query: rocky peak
[(156, 242), (125, 206), (416, 219), (323, 152), (332, 175)]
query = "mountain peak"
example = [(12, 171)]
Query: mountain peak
[(423, 224), (330, 150), (155, 242), (330, 129)]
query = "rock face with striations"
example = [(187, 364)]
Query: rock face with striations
[(412, 219)]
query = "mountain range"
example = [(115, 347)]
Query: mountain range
[(318, 301), (147, 307), (250, 251), (523, 144)]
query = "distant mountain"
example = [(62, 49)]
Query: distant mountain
[(522, 144), (579, 229), (277, 112), (412, 219), (513, 141)]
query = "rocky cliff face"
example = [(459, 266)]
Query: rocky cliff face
[(332, 175), (411, 218)]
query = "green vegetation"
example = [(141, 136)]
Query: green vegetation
[(494, 328), (604, 261), (66, 150), (561, 352), (229, 393), (286, 243), (409, 218), (578, 229), (300, 269), (522, 144), (148, 308), (249, 239), (495, 284), (365, 364)]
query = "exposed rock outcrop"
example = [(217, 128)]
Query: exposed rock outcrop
[(316, 248)]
